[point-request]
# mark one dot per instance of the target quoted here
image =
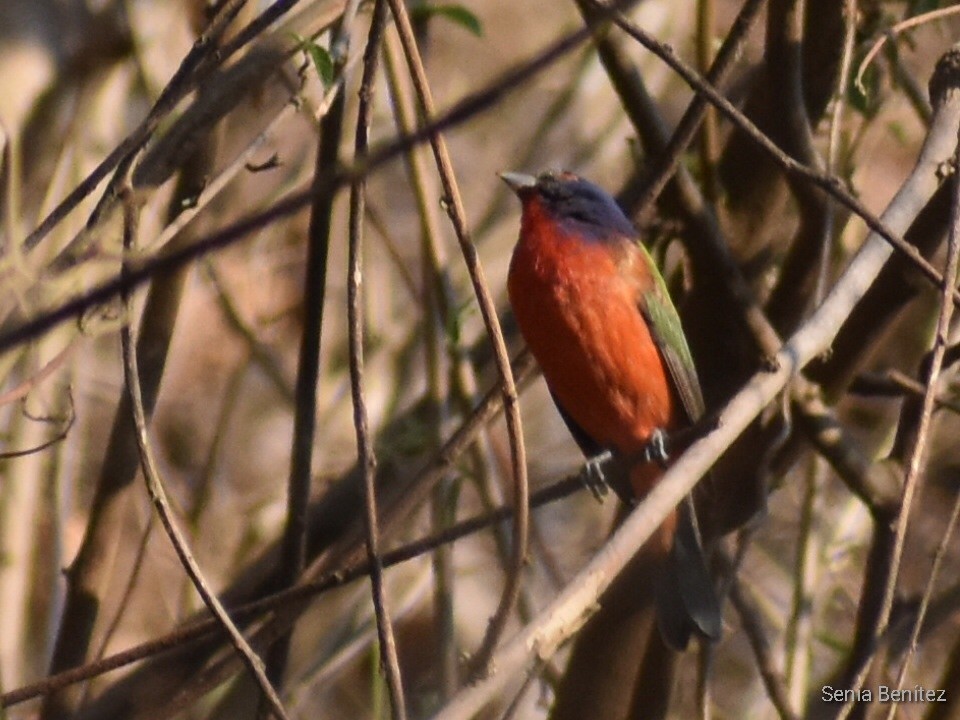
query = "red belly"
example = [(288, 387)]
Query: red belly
[(581, 321)]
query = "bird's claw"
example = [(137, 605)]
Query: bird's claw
[(592, 475), (657, 448)]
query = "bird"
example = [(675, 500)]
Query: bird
[(596, 315)]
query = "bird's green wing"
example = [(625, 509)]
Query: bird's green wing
[(664, 322)]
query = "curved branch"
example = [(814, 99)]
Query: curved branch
[(159, 498), (455, 208), (367, 460)]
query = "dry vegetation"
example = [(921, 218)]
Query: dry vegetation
[(193, 179)]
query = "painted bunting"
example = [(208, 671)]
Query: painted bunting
[(596, 315)]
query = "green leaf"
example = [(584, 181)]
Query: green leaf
[(866, 101), (320, 58), (455, 321), (322, 62), (457, 13)]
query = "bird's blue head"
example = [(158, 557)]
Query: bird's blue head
[(572, 201)]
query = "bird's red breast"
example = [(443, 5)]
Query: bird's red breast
[(576, 299)]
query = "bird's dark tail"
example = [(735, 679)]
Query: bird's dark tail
[(687, 603)]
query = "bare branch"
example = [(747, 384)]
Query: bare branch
[(772, 675), (159, 498), (944, 132), (457, 213), (367, 460), (918, 457)]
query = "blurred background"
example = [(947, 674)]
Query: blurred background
[(220, 342)]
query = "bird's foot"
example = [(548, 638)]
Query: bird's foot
[(592, 475), (657, 448)]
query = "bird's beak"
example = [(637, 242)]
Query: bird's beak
[(518, 182)]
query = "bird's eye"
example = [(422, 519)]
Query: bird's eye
[(582, 215)]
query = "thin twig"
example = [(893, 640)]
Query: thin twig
[(800, 624), (441, 358), (833, 144), (771, 675), (789, 40), (457, 213), (709, 146), (49, 368), (367, 459), (695, 113), (308, 363), (159, 498), (918, 456), (467, 108), (139, 562), (259, 352), (895, 30), (183, 80), (322, 196), (787, 163), (59, 436), (337, 579)]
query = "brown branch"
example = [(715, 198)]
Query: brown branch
[(444, 362), (184, 79), (25, 387), (785, 50), (159, 498), (322, 195), (59, 436), (367, 459), (92, 570), (709, 146), (850, 11), (333, 179), (723, 64), (457, 213), (918, 456), (283, 598), (771, 675), (788, 164)]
